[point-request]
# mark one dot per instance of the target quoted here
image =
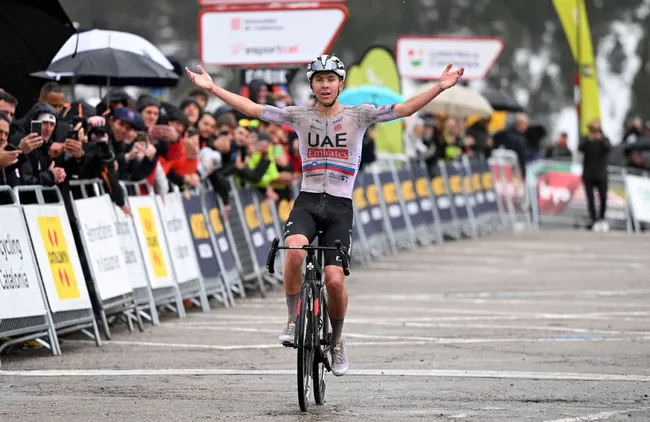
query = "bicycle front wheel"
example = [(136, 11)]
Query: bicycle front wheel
[(322, 337), (306, 346)]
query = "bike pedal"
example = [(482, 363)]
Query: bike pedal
[(288, 344), (326, 362)]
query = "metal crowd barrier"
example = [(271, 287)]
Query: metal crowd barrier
[(560, 197), (182, 255), (155, 251), (211, 263), (511, 187), (109, 279), (57, 262), (24, 311), (247, 237)]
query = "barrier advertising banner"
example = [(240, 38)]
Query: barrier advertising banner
[(125, 229), (561, 191), (103, 245), (148, 228), (638, 188), (57, 257), (20, 295), (201, 237), (178, 237), (217, 225)]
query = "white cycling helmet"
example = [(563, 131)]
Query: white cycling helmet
[(326, 63)]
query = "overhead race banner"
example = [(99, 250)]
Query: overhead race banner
[(425, 57), (20, 295), (103, 245), (240, 37), (57, 257)]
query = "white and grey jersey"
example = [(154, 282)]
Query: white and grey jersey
[(330, 150)]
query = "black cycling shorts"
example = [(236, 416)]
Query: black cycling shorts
[(321, 211)]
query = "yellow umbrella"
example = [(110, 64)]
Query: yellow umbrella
[(458, 101)]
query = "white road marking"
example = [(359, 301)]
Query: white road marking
[(531, 293), (599, 416), (432, 373), (258, 319), (429, 341), (229, 327)]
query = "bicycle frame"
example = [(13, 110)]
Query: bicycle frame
[(312, 319)]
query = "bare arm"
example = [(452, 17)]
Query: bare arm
[(414, 104), (447, 80), (238, 102)]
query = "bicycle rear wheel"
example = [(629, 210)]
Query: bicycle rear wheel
[(306, 345), (322, 337)]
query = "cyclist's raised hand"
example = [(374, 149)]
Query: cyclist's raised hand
[(449, 78), (202, 80)]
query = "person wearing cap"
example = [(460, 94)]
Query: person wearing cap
[(149, 108), (192, 110), (36, 167), (124, 125)]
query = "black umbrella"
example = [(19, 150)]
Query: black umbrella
[(111, 58), (31, 32), (642, 144), (501, 101)]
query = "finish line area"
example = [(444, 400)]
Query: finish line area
[(548, 325)]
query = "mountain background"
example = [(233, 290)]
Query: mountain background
[(536, 64)]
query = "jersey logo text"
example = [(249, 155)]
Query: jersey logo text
[(340, 140), (339, 153)]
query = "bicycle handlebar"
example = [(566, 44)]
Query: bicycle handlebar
[(342, 253)]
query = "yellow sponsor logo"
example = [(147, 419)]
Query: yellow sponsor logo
[(251, 217), (390, 193), (486, 181), (371, 195), (199, 230), (215, 221), (476, 181), (58, 256), (408, 190), (455, 185), (359, 198), (421, 187), (438, 186), (153, 243), (265, 209), (284, 209)]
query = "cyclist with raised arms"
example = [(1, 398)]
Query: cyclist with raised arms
[(330, 136)]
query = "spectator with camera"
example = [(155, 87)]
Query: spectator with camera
[(33, 135)]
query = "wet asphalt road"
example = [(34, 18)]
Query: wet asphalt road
[(543, 326)]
